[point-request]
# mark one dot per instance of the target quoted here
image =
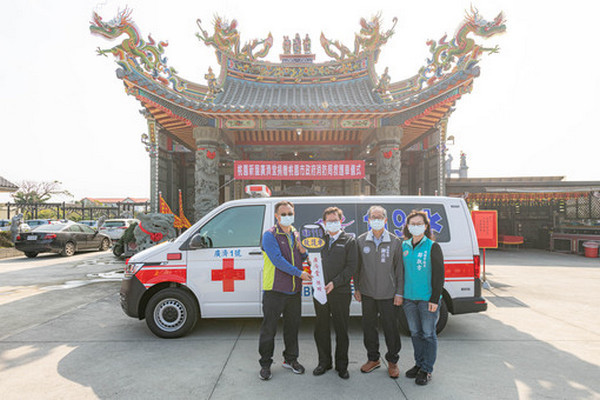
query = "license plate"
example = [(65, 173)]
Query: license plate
[(31, 237)]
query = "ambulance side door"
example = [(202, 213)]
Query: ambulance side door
[(225, 271)]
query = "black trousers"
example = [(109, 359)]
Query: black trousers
[(384, 311), (336, 310), (274, 305)]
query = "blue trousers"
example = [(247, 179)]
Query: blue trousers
[(422, 323)]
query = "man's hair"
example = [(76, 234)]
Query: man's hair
[(283, 203), (416, 213), (374, 208), (333, 210)]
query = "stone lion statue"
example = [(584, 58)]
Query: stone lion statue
[(152, 229)]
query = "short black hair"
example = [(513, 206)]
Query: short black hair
[(283, 203), (333, 210)]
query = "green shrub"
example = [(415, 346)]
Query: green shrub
[(127, 237), (47, 214), (5, 239)]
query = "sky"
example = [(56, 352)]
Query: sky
[(65, 116)]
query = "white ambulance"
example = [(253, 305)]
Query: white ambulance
[(214, 269)]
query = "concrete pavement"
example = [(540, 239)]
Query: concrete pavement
[(539, 339)]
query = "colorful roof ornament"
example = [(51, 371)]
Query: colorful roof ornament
[(367, 41), (461, 52), (134, 53), (226, 38)]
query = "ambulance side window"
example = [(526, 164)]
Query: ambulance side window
[(235, 227)]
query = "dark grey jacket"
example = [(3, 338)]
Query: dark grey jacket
[(380, 272)]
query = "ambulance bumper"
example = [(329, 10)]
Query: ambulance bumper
[(131, 294), (468, 305)]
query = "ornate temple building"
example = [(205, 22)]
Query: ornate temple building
[(303, 128)]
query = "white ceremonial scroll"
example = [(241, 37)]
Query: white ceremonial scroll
[(312, 238), (316, 270)]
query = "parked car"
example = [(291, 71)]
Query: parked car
[(66, 239), (34, 223), (6, 223), (90, 222), (115, 228)]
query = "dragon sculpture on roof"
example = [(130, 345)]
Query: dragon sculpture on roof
[(461, 52), (368, 40), (226, 38), (134, 52)]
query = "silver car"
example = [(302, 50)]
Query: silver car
[(115, 228)]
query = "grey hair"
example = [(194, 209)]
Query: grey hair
[(380, 208)]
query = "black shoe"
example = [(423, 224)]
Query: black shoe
[(295, 366), (344, 374), (422, 378), (265, 373), (321, 369), (412, 373)]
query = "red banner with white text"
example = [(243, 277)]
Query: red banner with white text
[(299, 170)]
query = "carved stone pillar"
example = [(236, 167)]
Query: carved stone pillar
[(151, 142), (442, 128), (388, 160), (206, 196)]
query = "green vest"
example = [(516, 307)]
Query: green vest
[(417, 269)]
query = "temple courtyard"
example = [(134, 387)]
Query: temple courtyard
[(68, 339)]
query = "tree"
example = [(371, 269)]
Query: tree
[(38, 192)]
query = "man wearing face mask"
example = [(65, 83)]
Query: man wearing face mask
[(339, 258), (379, 286), (282, 282)]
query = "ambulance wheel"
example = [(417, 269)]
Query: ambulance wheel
[(441, 323), (171, 313), (443, 319)]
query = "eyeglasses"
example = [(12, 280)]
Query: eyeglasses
[(286, 215)]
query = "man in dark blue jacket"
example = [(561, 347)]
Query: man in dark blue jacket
[(282, 282)]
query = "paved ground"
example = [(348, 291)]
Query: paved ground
[(64, 336)]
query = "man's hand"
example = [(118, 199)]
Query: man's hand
[(305, 276), (433, 307), (328, 288), (398, 300), (357, 295)]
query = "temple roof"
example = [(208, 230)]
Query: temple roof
[(7, 186), (345, 87), (351, 95)]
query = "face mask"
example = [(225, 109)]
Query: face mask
[(287, 220), (333, 227), (377, 224), (417, 230)]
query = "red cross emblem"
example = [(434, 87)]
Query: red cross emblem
[(228, 275)]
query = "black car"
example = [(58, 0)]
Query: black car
[(65, 239)]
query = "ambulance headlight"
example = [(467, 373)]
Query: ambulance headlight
[(131, 269)]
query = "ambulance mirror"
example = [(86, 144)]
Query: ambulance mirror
[(200, 242)]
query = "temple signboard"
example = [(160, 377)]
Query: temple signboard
[(298, 124), (293, 124), (293, 170)]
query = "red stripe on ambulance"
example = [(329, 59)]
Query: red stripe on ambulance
[(459, 269), (150, 275)]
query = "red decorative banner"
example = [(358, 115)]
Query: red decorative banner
[(486, 228), (299, 170)]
